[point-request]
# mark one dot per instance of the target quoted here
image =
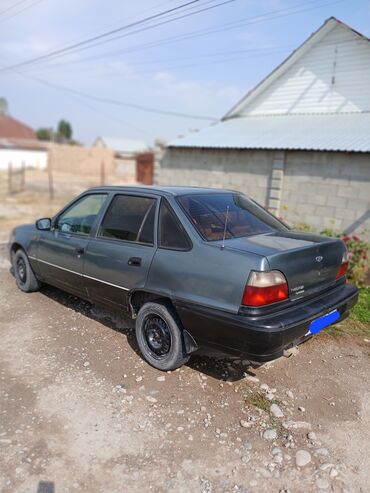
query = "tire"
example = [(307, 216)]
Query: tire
[(159, 336), (24, 275)]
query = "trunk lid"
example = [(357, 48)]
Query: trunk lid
[(309, 262)]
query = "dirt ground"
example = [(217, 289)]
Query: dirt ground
[(81, 411)]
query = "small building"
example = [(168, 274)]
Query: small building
[(299, 142), (19, 145), (125, 152)]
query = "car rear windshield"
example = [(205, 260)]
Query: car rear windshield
[(244, 217)]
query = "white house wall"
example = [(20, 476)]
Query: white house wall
[(32, 158), (332, 76)]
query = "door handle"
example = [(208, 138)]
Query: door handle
[(80, 250), (135, 261)]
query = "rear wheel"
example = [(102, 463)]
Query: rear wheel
[(159, 336), (24, 275)]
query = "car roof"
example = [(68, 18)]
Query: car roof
[(159, 190)]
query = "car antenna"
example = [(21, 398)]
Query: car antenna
[(226, 220)]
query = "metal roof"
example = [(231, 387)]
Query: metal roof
[(346, 132), (121, 144), (28, 144), (10, 128)]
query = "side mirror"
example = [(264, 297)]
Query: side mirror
[(44, 224)]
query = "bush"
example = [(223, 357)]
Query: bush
[(358, 251)]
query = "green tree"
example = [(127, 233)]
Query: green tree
[(45, 133), (65, 130)]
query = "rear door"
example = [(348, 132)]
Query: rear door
[(118, 258), (61, 251)]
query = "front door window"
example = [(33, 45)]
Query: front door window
[(80, 217)]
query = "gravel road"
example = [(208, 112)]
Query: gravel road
[(80, 411)]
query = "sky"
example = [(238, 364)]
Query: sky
[(199, 65)]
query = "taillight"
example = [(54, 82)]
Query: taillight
[(343, 266), (264, 288)]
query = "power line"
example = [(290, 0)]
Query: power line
[(98, 37), (203, 60), (271, 15), (127, 104), (115, 102), (33, 4), (13, 6)]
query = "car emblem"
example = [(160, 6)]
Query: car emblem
[(319, 258)]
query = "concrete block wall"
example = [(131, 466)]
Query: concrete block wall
[(321, 189), (327, 190), (247, 171)]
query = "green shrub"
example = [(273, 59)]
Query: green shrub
[(358, 255)]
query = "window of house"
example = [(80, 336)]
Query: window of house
[(171, 233), (129, 218)]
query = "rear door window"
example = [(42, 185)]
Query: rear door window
[(129, 218), (171, 234)]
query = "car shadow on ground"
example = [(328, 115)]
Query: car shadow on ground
[(46, 487), (211, 363)]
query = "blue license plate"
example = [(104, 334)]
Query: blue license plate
[(322, 322)]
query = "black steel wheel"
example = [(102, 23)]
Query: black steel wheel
[(159, 336), (24, 275)]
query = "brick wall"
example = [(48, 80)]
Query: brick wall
[(81, 160), (321, 189)]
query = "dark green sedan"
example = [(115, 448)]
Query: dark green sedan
[(193, 266)]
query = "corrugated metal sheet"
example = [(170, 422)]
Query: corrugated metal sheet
[(332, 132)]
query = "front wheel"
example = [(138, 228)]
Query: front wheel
[(24, 275), (159, 336)]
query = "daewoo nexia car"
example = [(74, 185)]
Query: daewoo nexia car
[(193, 266)]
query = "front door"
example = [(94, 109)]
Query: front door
[(118, 258), (61, 251)]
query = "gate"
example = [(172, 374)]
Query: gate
[(145, 168)]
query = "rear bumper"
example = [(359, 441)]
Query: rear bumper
[(263, 338)]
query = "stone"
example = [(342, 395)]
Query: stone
[(276, 411), (296, 425), (311, 435), (322, 451), (322, 484), (246, 458), (247, 446), (289, 393), (302, 458), (251, 378), (245, 424), (264, 387), (270, 434), (161, 378), (151, 399), (302, 409), (86, 364)]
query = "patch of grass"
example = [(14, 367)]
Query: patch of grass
[(258, 399), (361, 312), (358, 322)]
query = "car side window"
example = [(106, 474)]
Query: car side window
[(171, 234), (79, 217), (129, 218)]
